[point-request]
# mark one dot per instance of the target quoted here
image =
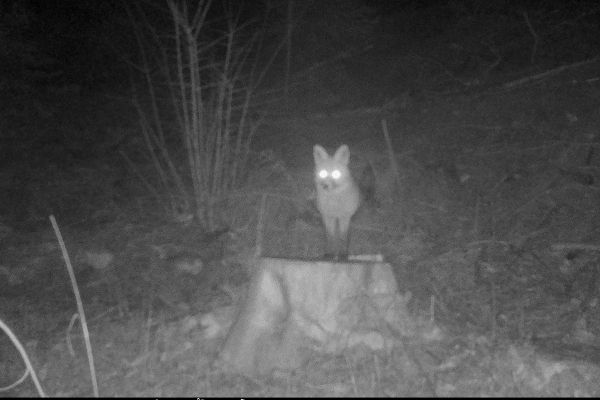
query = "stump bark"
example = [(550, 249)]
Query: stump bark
[(295, 305)]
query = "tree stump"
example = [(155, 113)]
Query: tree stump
[(292, 305)]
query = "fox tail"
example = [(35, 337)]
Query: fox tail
[(367, 184)]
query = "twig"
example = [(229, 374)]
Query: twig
[(485, 74), (352, 376), (30, 369), (521, 326), (137, 172), (377, 377), (493, 306), (490, 241), (432, 309), (15, 383), (411, 354), (334, 59), (260, 226), (536, 38), (388, 142), (74, 318), (147, 330), (86, 334)]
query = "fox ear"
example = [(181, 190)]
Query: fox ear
[(342, 154), (320, 153)]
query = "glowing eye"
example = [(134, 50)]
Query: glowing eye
[(323, 174), (336, 174)]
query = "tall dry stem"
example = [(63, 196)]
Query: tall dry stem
[(208, 82)]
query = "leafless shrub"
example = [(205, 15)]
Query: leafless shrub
[(199, 84)]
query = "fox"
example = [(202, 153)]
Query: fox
[(337, 197)]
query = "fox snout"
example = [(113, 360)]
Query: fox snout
[(326, 184)]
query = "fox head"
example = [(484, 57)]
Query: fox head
[(332, 172)]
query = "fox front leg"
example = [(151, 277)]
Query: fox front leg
[(337, 238), (331, 244), (343, 226)]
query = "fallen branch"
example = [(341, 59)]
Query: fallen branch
[(575, 246), (546, 74)]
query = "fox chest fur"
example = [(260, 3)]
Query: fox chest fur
[(337, 199)]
